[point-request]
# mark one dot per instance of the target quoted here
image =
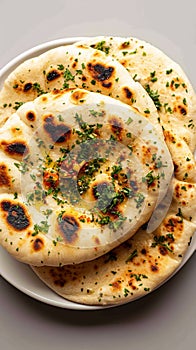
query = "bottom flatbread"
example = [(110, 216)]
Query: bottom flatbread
[(137, 266)]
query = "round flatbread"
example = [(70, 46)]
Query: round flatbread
[(169, 88), (84, 172)]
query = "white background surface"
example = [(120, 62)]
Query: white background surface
[(166, 318)]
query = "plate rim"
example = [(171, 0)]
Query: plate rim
[(62, 303)]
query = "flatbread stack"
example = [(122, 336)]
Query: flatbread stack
[(90, 136)]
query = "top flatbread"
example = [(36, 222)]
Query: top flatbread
[(81, 172)]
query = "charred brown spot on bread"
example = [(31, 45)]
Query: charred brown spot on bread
[(124, 45), (74, 65), (144, 251), (60, 282), (130, 283), (123, 62), (97, 241), (100, 72), (52, 75), (38, 244), (44, 99), (97, 53), (52, 272), (182, 110), (84, 78), (116, 285), (5, 179), (31, 116), (78, 95), (154, 268), (58, 133), (147, 153), (163, 251), (92, 45), (16, 215), (27, 87), (178, 191), (116, 127), (128, 93), (169, 136), (69, 227), (58, 276), (16, 131), (57, 91), (173, 224), (190, 167), (95, 267), (107, 85), (50, 179), (5, 205), (15, 148), (179, 145)]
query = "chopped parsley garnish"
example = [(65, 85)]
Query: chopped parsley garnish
[(42, 227), (162, 241), (38, 89), (126, 292), (60, 67), (67, 77), (96, 113), (184, 101), (116, 170), (153, 77), (17, 105), (139, 199), (167, 108), (154, 96), (101, 46), (129, 121), (150, 178), (22, 167), (138, 276), (179, 213), (132, 255), (169, 71)]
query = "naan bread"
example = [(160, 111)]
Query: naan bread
[(169, 88), (71, 67), (148, 258), (91, 173)]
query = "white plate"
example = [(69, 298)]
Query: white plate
[(20, 275)]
